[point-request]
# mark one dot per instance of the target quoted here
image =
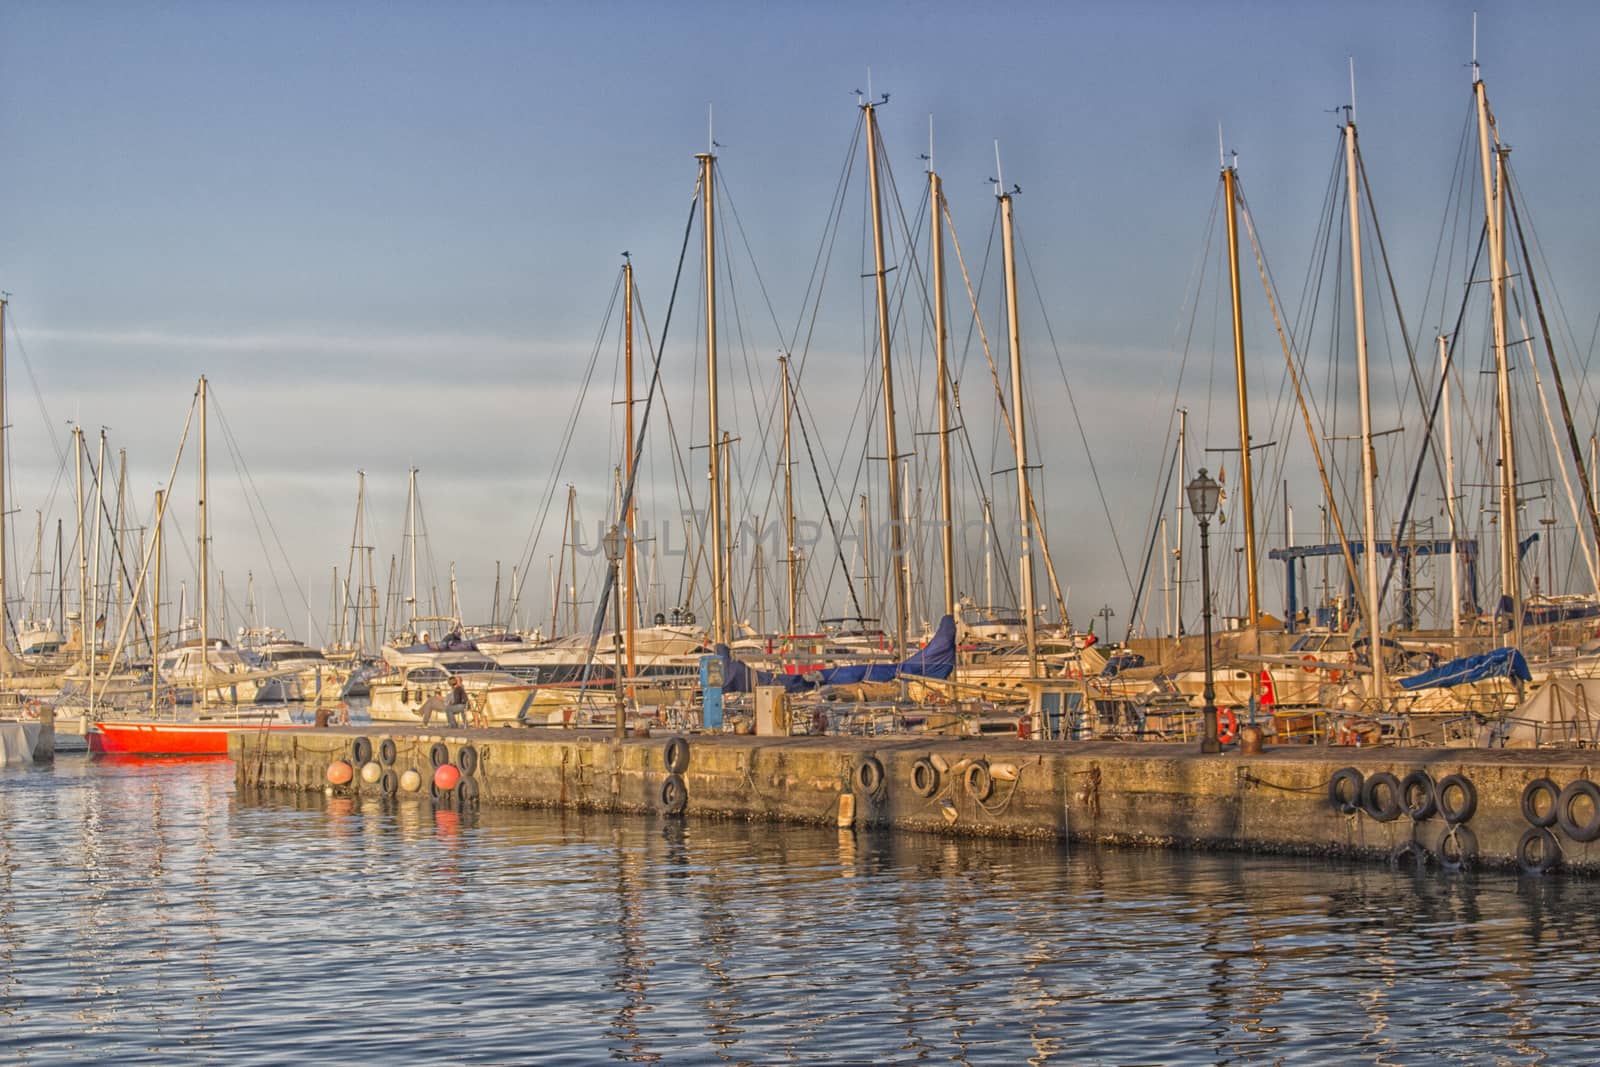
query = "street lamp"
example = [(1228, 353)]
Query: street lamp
[(1204, 496), (613, 546)]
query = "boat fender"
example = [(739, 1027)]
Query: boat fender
[(1459, 812), (1344, 790), (1380, 796), (411, 781), (978, 780), (371, 771), (869, 776), (467, 760), (924, 777), (674, 795), (676, 755), (940, 764), (1458, 848), (340, 772), (360, 751), (1539, 799), (387, 752), (439, 754), (1585, 831), (1227, 725), (467, 791), (1004, 772), (1537, 851), (1419, 796), (389, 784), (445, 777), (1408, 854)]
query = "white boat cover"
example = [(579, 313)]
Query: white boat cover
[(1563, 711), (17, 740)]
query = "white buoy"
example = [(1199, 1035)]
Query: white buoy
[(411, 781), (1001, 772), (371, 771)]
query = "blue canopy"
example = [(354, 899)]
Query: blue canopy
[(1501, 663), (936, 659)]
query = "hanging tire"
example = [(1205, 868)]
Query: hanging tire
[(1585, 831), (361, 751), (1380, 796), (467, 760), (1454, 811), (924, 778), (390, 782), (674, 795), (466, 792), (1458, 847), (1538, 851), (978, 780), (1344, 790), (439, 754), (387, 752), (1532, 797), (1419, 796), (869, 776), (1409, 856), (676, 755)]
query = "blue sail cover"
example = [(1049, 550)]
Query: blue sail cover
[(935, 660), (1501, 663)]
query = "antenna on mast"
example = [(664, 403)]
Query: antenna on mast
[(1475, 77), (930, 142), (1352, 88), (711, 141), (1222, 157), (999, 177)]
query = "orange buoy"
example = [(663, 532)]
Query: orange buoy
[(340, 772), (446, 777)]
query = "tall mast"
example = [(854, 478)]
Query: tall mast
[(897, 572), (1030, 622), (572, 549), (627, 458), (411, 524), (83, 557), (727, 531), (1493, 211), (1450, 486), (155, 611), (791, 560), (1369, 457), (720, 622), (205, 560), (1230, 185), (114, 565), (941, 331), (4, 629), (1183, 478)]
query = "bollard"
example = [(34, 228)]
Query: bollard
[(1250, 740)]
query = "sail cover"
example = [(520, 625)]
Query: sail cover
[(936, 659), (1501, 663)]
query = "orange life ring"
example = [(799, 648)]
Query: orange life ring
[(1227, 725), (1310, 664)]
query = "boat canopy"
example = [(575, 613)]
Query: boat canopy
[(936, 659), (1501, 663)]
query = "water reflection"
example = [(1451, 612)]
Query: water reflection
[(148, 910)]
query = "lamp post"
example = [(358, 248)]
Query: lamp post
[(613, 546), (1204, 496)]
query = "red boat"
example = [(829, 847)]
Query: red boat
[(135, 738)]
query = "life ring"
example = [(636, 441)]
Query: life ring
[(467, 760), (676, 755), (869, 776), (1539, 812), (1227, 725), (1456, 813), (1335, 677), (1458, 847), (1419, 796), (674, 795), (361, 751), (33, 709), (1344, 790), (978, 780), (387, 752), (439, 754), (1586, 831), (1380, 796), (1310, 664), (924, 777), (1537, 851)]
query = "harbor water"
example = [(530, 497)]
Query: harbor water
[(151, 913)]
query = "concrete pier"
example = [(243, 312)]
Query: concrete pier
[(1278, 801)]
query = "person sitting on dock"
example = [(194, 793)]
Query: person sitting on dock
[(454, 705)]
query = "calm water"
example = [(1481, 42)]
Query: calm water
[(148, 914)]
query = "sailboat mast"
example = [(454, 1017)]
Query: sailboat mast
[(572, 549), (205, 560), (1369, 458), (1247, 498), (790, 560), (1450, 486), (83, 555), (155, 610), (1183, 478), (629, 577), (1030, 621), (941, 338), (891, 444), (4, 629), (720, 621), (411, 525)]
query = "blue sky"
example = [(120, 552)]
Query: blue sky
[(387, 232)]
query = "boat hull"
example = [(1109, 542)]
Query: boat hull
[(132, 738)]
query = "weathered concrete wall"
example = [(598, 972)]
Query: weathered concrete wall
[(1159, 794)]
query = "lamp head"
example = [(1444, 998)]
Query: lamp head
[(1204, 496), (613, 543)]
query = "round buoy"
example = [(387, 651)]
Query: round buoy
[(340, 772), (371, 771), (411, 781), (445, 777)]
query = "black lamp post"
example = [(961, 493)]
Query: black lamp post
[(1204, 496), (613, 546)]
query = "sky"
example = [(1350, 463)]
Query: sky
[(389, 235)]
